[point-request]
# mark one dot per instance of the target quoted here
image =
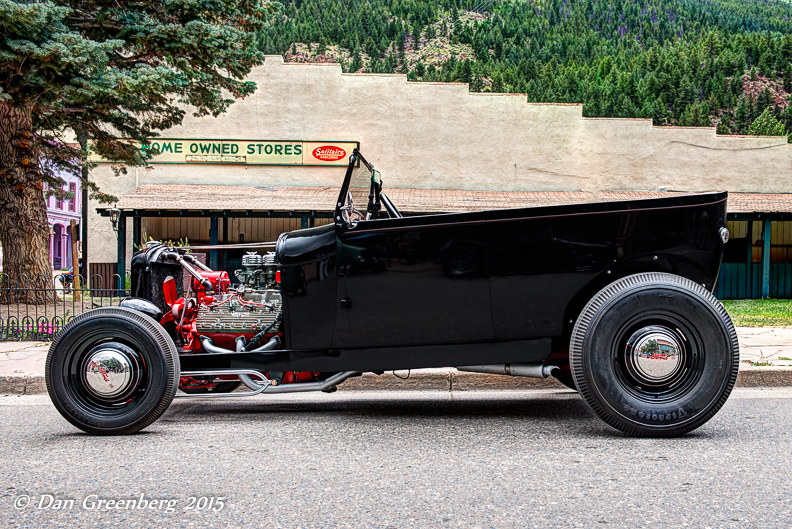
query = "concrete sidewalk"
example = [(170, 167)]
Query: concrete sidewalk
[(22, 369)]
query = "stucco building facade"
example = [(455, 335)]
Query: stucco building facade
[(442, 147)]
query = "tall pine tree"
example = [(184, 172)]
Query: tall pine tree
[(110, 72)]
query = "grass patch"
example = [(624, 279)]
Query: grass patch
[(758, 363), (760, 312)]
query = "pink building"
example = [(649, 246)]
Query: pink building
[(59, 214)]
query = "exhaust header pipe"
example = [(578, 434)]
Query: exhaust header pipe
[(515, 370), (265, 386), (211, 348)]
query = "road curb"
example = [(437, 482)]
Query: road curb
[(444, 379), (758, 377), (22, 385)]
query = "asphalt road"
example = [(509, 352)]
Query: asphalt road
[(402, 459)]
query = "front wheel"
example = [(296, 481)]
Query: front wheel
[(112, 371), (654, 355)]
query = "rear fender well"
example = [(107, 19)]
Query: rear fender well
[(659, 262)]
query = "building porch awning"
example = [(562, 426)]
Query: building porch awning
[(152, 198)]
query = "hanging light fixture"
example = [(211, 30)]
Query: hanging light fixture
[(115, 213)]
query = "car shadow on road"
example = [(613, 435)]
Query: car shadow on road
[(563, 411)]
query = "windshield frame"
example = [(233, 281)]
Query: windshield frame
[(354, 158)]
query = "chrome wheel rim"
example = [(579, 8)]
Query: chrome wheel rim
[(110, 371), (655, 356)]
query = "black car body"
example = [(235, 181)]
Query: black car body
[(491, 291)]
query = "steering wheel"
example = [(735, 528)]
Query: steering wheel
[(348, 212)]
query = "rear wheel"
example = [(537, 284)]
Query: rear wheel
[(112, 371), (654, 355)]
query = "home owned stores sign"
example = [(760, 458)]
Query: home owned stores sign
[(250, 152)]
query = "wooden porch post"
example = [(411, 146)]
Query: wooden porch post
[(75, 261), (749, 264), (136, 228), (766, 234)]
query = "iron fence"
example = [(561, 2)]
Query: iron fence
[(37, 308)]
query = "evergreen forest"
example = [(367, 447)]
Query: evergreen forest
[(723, 63)]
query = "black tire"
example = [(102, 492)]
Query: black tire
[(654, 355), (146, 388), (219, 387)]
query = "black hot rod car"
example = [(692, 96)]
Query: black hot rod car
[(613, 299)]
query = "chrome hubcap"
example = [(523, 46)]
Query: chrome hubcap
[(655, 355), (110, 370)]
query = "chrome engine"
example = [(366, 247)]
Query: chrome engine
[(252, 307), (258, 272)]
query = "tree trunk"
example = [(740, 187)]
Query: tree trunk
[(24, 230)]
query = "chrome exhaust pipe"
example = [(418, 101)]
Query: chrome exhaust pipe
[(297, 387), (265, 386), (211, 348), (515, 370), (273, 342), (312, 386), (240, 341)]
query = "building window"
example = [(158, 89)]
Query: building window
[(781, 242), (746, 240), (72, 200), (46, 195), (59, 202)]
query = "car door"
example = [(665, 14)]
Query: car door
[(416, 280)]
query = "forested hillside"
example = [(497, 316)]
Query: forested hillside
[(723, 63)]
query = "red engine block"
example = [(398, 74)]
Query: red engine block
[(183, 315), (220, 281)]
